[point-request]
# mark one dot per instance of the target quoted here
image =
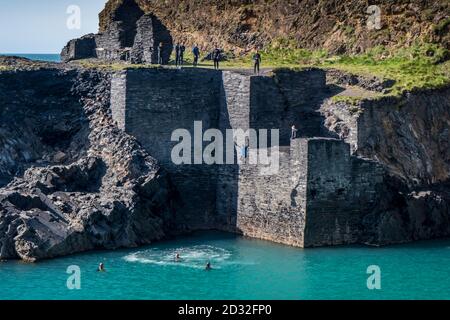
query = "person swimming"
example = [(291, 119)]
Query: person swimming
[(208, 266), (101, 268), (178, 258)]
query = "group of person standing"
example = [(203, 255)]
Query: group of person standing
[(216, 56)]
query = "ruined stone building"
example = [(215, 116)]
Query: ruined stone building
[(131, 36)]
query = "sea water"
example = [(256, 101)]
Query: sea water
[(242, 269), (37, 57)]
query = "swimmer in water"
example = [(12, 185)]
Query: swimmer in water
[(208, 266), (177, 258), (101, 268)]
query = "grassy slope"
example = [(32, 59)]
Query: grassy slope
[(416, 67)]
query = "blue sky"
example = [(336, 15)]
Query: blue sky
[(40, 26)]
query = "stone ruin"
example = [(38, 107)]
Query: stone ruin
[(132, 36)]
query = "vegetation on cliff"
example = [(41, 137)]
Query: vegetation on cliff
[(410, 46), (339, 27)]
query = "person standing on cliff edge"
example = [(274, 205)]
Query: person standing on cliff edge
[(160, 52), (182, 50), (196, 53), (177, 55), (216, 58), (257, 62), (294, 132)]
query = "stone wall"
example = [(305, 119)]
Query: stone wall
[(81, 48), (273, 207), (322, 193), (131, 35), (118, 98), (319, 197), (341, 190), (160, 101), (289, 98)]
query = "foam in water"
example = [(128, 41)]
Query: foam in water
[(191, 257)]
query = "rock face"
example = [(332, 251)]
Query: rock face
[(337, 26), (71, 180), (373, 174), (74, 175), (409, 136), (132, 36)]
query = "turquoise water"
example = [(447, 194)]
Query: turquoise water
[(243, 269), (38, 57)]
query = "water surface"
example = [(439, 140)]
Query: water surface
[(38, 57), (243, 269)]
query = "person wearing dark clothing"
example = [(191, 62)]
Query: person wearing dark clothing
[(177, 54), (160, 52), (216, 58), (257, 62), (182, 50), (101, 268), (196, 53)]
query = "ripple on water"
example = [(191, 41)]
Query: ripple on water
[(191, 257)]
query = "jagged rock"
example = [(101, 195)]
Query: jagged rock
[(369, 83), (111, 194), (81, 48)]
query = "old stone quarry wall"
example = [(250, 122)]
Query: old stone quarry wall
[(317, 197), (98, 173)]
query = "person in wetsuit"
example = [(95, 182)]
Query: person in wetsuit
[(101, 268)]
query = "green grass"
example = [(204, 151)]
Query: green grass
[(112, 66), (5, 68), (416, 67), (353, 101), (420, 66)]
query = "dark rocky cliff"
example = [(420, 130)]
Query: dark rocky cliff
[(337, 26), (74, 174), (409, 136), (71, 181)]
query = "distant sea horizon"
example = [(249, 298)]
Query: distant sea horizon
[(48, 57)]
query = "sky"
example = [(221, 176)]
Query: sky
[(41, 26)]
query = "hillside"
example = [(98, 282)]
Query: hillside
[(338, 27)]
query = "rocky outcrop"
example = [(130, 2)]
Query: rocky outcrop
[(74, 181), (409, 137), (370, 83), (337, 26), (131, 35), (82, 48), (409, 134)]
